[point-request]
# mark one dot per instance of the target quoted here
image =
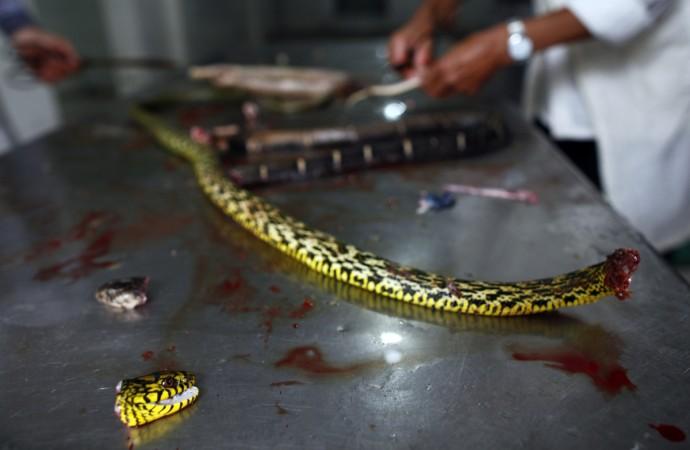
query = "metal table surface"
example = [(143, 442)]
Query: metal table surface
[(95, 202)]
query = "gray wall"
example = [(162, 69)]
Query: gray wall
[(200, 31), (320, 17)]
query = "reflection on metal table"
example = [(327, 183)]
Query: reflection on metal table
[(285, 359)]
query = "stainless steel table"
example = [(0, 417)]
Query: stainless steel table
[(286, 359)]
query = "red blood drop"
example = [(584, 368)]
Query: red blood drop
[(229, 286), (670, 432), (300, 312)]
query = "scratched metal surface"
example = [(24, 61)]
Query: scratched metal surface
[(96, 202)]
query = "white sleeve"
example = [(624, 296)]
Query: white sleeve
[(616, 21)]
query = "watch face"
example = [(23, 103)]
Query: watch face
[(519, 47)]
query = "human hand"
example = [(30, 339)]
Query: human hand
[(410, 48), (49, 56), (469, 64)]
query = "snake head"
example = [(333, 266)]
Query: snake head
[(142, 400), (125, 294), (618, 270)]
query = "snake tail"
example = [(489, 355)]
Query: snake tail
[(345, 263)]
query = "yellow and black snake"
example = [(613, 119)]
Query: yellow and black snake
[(145, 399), (141, 400), (324, 254)]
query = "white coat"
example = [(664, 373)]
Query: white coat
[(629, 89), (28, 108)]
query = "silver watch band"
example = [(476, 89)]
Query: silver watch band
[(516, 27)]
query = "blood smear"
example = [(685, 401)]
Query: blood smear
[(610, 377), (670, 432)]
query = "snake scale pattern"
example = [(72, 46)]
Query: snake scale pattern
[(151, 397), (324, 254)]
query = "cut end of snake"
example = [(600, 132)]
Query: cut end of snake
[(618, 270)]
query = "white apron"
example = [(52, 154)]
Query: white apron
[(633, 84)]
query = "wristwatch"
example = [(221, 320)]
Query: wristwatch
[(520, 46)]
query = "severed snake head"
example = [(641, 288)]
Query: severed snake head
[(151, 397), (125, 294)]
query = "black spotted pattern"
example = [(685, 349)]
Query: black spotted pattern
[(138, 400), (324, 254)]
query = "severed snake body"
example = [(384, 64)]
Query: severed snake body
[(323, 253)]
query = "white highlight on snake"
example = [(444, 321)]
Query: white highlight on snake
[(186, 395)]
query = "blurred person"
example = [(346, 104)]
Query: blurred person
[(29, 109), (609, 80)]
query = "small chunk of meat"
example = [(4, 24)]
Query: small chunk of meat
[(127, 293)]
